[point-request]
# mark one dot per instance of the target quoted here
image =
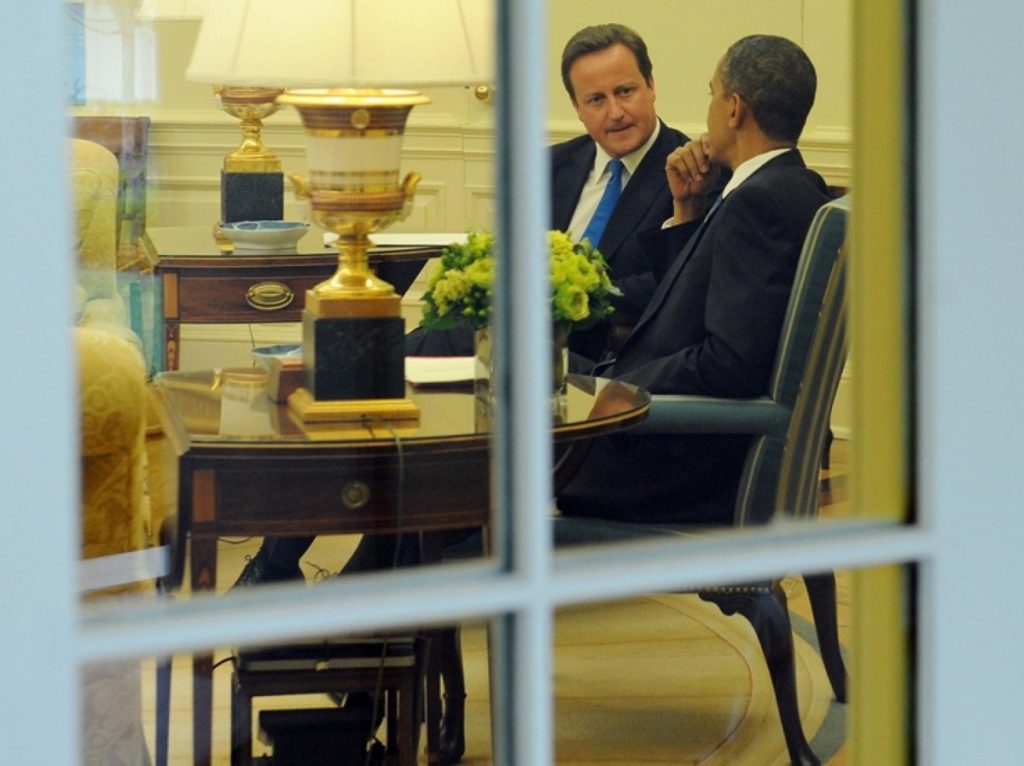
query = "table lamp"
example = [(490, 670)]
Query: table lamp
[(342, 64), (251, 181)]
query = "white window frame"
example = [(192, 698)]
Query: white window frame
[(969, 503)]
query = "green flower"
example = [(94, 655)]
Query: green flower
[(461, 287)]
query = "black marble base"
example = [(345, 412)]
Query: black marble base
[(251, 197), (345, 358)]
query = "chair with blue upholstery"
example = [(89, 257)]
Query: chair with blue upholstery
[(780, 479)]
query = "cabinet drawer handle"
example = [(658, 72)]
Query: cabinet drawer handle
[(355, 495), (269, 296)]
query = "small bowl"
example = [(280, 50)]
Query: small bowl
[(264, 236), (281, 351)]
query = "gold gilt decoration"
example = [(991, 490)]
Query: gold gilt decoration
[(251, 106)]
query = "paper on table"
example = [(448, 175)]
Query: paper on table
[(439, 370), (408, 239)]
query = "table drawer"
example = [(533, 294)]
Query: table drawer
[(244, 298), (355, 495)]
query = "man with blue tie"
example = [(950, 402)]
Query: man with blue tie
[(725, 276), (607, 185)]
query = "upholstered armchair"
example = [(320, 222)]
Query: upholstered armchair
[(127, 138), (94, 181), (112, 395), (115, 513)]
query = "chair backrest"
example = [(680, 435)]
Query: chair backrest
[(781, 471), (94, 197), (127, 138)]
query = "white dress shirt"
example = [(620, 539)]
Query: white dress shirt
[(742, 173), (593, 189)]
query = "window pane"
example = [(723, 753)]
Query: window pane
[(664, 677)]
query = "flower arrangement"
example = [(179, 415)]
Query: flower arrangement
[(461, 288)]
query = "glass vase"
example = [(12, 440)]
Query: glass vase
[(484, 376)]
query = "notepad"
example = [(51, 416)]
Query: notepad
[(439, 370)]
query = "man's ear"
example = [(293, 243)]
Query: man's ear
[(737, 111)]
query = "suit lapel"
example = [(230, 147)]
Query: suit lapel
[(791, 158), (568, 184), (675, 270)]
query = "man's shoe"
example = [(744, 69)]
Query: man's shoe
[(259, 569)]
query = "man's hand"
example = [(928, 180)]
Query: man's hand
[(614, 398), (691, 173)]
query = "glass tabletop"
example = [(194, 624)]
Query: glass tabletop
[(232, 407)]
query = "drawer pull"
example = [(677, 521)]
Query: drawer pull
[(355, 495), (269, 296)]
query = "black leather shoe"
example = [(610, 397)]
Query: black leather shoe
[(259, 569)]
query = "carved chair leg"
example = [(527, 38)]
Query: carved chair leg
[(826, 450), (821, 590), (453, 723), (767, 612)]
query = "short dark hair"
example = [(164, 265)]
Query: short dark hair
[(776, 79), (598, 38)]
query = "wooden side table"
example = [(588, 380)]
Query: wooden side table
[(257, 470), (199, 281)]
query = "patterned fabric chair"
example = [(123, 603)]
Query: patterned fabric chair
[(115, 513), (127, 138), (94, 179)]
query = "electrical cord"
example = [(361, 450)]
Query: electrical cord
[(378, 691)]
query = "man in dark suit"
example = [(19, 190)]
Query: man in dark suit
[(609, 77), (712, 325)]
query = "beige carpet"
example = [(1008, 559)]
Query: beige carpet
[(657, 680)]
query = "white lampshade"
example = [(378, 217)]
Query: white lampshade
[(345, 43)]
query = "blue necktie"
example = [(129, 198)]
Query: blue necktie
[(605, 207)]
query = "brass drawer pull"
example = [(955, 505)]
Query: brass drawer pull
[(269, 296), (355, 495)]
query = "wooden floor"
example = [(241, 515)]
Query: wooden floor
[(658, 680)]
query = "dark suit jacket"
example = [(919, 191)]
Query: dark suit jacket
[(645, 202), (711, 328)]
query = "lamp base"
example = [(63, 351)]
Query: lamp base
[(310, 410), (352, 367), (251, 197)]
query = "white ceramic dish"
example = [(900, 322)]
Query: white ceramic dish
[(264, 236)]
